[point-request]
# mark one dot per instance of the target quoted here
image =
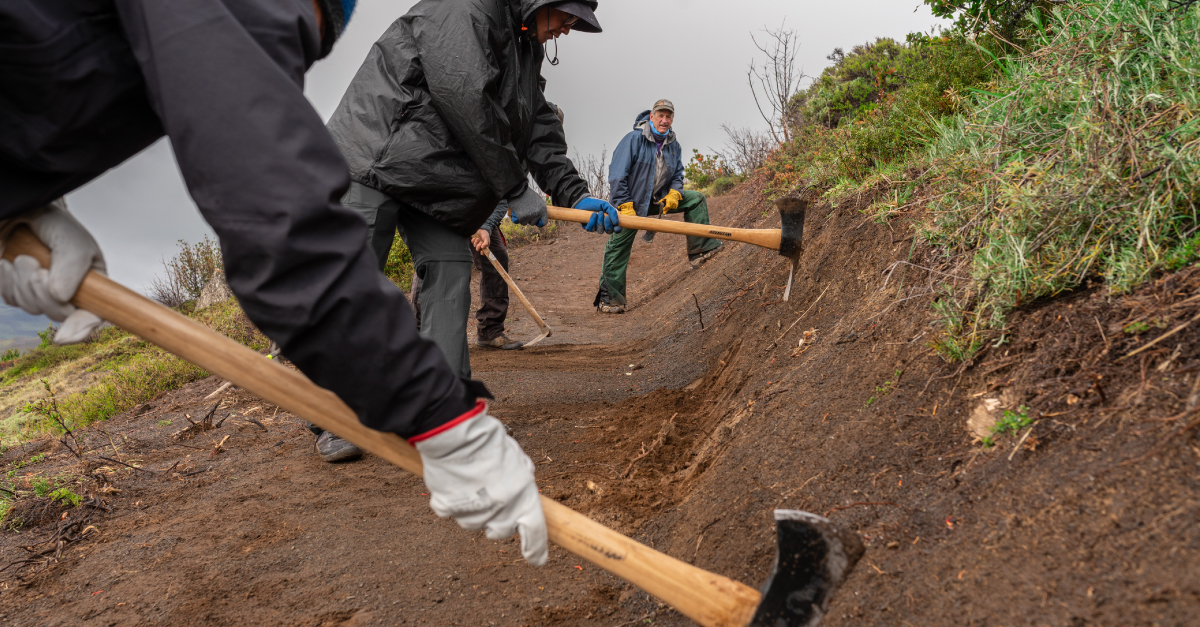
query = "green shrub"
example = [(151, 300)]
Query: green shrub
[(1013, 422), (1083, 162), (399, 266), (41, 486), (723, 185), (701, 171), (977, 16), (849, 133), (186, 274), (854, 83), (46, 337), (10, 354), (66, 497)]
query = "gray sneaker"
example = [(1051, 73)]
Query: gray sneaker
[(698, 259), (502, 342), (610, 308), (335, 449)]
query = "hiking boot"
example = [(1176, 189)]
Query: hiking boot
[(610, 308), (502, 342), (335, 449), (698, 259)]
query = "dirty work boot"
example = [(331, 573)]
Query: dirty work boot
[(610, 308), (502, 342), (698, 259), (334, 449)]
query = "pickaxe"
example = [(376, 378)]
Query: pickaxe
[(546, 330), (813, 557), (786, 240)]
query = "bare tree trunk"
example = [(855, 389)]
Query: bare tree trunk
[(594, 171), (777, 80)]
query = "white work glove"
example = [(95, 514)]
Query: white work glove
[(479, 476), (528, 207), (73, 252)]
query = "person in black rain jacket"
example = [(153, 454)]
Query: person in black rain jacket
[(442, 122), (86, 84)]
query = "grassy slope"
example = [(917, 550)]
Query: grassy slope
[(1070, 158), (108, 375)]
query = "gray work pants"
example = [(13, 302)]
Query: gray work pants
[(442, 263)]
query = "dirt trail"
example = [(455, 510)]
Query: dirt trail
[(686, 437)]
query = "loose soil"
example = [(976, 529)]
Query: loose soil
[(682, 423)]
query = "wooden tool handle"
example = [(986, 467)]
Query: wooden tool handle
[(767, 238), (707, 598), (520, 296)]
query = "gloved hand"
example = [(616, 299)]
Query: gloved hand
[(627, 209), (605, 217), (528, 207), (479, 476), (670, 202), (25, 284)]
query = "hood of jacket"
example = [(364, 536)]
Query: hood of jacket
[(642, 123)]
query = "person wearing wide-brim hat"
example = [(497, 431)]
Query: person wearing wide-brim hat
[(442, 122)]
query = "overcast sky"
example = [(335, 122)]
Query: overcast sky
[(694, 52)]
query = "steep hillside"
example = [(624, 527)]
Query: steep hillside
[(686, 437)]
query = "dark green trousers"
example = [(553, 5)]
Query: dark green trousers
[(694, 207)]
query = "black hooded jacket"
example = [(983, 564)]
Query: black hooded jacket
[(86, 84), (447, 108)]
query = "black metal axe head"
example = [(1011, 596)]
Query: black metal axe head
[(813, 559), (791, 217), (791, 220)]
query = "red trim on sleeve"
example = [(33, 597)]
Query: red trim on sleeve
[(480, 407)]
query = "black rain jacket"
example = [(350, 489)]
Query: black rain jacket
[(86, 84), (448, 106)]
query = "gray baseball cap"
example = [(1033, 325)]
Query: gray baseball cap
[(664, 105)]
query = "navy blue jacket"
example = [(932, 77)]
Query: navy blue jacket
[(631, 173)]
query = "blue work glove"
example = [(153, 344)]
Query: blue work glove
[(528, 207), (605, 217)]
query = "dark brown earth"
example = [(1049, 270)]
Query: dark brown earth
[(686, 435)]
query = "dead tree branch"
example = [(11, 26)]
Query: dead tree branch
[(776, 80)]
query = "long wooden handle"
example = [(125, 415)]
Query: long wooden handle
[(707, 598), (520, 296), (767, 238)]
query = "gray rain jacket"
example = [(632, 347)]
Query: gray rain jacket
[(448, 106), (86, 84)]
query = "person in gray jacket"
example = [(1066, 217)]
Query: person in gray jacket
[(86, 84), (439, 125)]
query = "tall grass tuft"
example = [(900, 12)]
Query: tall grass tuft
[(1083, 162)]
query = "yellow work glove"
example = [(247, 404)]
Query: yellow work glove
[(671, 201), (626, 209)]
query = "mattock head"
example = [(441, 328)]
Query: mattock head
[(791, 220), (814, 557)]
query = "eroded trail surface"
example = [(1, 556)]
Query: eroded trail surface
[(683, 423)]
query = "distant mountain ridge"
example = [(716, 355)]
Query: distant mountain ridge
[(17, 327)]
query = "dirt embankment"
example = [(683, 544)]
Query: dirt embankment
[(684, 423)]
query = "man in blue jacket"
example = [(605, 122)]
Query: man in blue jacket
[(646, 178)]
